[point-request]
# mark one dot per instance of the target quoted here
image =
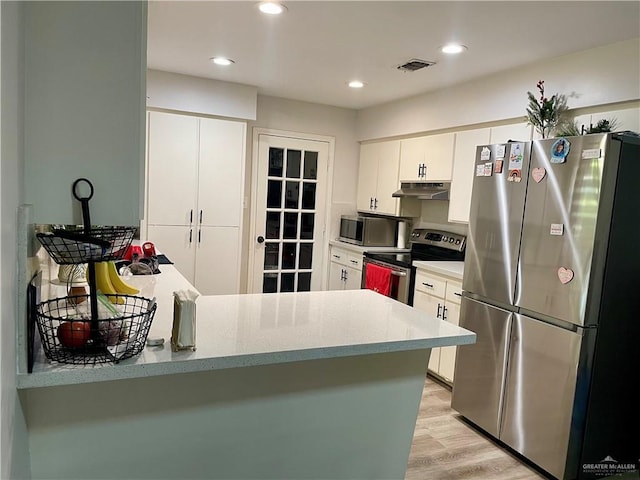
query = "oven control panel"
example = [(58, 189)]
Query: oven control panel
[(438, 238)]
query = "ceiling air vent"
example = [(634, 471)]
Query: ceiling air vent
[(414, 64)]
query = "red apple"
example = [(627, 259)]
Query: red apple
[(74, 334)]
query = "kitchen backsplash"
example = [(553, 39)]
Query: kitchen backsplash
[(435, 214)]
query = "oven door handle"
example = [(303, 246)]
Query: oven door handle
[(397, 273)]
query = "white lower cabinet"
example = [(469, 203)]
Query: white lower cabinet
[(198, 256), (439, 296), (345, 269)]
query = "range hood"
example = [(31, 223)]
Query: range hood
[(423, 190)]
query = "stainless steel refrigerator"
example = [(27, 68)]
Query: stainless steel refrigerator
[(551, 290)]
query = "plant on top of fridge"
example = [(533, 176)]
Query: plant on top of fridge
[(546, 114)]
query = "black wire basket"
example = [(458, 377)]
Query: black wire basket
[(100, 244), (69, 335)]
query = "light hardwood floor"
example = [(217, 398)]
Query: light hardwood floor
[(446, 448)]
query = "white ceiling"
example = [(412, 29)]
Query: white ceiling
[(313, 50)]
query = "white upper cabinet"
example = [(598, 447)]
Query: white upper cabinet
[(378, 177), (220, 172), (428, 158), (173, 169), (195, 170), (463, 172), (387, 183)]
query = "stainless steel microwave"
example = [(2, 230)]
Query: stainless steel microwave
[(368, 231)]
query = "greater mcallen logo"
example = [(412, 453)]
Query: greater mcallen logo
[(608, 466)]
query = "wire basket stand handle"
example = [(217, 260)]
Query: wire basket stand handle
[(86, 220)]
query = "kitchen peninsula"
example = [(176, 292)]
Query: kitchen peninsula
[(294, 385)]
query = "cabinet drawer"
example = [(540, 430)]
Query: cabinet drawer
[(339, 256), (454, 291), (430, 284), (354, 261)]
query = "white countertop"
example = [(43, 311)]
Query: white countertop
[(245, 330), (451, 269), (361, 250)]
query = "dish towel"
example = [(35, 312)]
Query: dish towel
[(378, 279)]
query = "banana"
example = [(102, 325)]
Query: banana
[(103, 283), (118, 283)]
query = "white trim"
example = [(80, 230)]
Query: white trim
[(331, 141)]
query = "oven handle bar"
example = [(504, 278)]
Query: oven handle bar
[(397, 273)]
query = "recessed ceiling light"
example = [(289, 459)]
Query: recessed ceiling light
[(222, 61), (453, 48), (356, 84), (272, 8)]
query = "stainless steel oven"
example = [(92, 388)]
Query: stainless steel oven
[(400, 287), (426, 245)]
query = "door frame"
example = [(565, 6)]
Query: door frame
[(324, 242)]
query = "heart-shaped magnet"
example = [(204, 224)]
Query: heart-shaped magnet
[(565, 275), (538, 174)]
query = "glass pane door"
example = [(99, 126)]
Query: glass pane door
[(289, 229)]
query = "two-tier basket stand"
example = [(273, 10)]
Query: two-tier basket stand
[(113, 327)]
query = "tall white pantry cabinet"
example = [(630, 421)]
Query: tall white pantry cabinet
[(194, 197)]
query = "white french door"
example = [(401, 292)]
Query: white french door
[(291, 195)]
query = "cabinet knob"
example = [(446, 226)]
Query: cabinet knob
[(260, 239)]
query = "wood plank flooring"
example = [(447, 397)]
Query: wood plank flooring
[(446, 448)]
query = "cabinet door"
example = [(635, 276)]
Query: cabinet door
[(387, 182), (338, 255), (354, 279), (434, 151), (463, 172), (412, 157), (367, 176), (220, 169), (517, 131), (431, 305), (336, 276), (448, 354), (178, 245), (172, 160), (217, 260)]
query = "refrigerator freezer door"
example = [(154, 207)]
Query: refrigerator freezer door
[(541, 380), (495, 221), (481, 368), (559, 228)]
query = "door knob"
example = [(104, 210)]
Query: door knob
[(260, 239)]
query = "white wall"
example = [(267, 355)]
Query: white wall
[(311, 118), (13, 432), (84, 88), (184, 93), (598, 76)]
